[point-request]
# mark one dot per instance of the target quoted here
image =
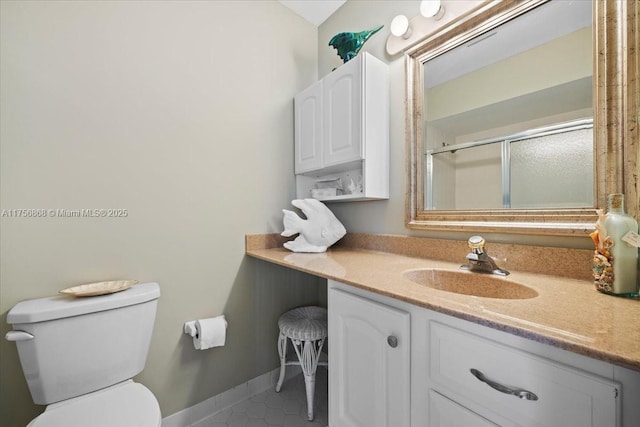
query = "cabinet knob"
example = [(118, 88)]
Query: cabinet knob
[(392, 341)]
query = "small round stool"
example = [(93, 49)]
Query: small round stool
[(306, 327)]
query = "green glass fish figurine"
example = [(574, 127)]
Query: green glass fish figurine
[(349, 44)]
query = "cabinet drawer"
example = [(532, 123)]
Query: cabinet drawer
[(447, 413), (563, 396)]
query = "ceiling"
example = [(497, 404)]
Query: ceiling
[(314, 11)]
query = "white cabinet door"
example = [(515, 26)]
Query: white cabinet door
[(369, 363), (342, 113), (308, 129)]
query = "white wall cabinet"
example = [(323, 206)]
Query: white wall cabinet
[(342, 131), (566, 389), (369, 360)]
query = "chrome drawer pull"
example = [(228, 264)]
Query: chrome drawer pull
[(522, 394)]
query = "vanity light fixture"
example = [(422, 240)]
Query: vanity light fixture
[(406, 32), (400, 27), (432, 9)]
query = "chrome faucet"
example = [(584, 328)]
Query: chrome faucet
[(479, 260)]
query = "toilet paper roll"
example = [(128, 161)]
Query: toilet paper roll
[(209, 333)]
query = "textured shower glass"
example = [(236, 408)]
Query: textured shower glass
[(554, 171)]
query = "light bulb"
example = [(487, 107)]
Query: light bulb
[(400, 27), (431, 9)]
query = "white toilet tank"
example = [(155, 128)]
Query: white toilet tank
[(81, 345)]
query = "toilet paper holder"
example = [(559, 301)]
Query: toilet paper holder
[(207, 333), (190, 329)]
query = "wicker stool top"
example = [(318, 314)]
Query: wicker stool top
[(304, 323)]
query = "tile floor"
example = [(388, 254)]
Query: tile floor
[(285, 409)]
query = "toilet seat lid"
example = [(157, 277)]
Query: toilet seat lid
[(127, 404)]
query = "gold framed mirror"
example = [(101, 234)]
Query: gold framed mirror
[(615, 122)]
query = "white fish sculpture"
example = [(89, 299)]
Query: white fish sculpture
[(320, 230)]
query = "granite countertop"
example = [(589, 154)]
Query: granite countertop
[(567, 313)]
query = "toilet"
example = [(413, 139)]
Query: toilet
[(79, 356)]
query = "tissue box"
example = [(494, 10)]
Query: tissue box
[(321, 193), (329, 183)]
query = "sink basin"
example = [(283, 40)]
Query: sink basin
[(470, 283)]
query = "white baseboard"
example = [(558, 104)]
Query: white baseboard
[(205, 409)]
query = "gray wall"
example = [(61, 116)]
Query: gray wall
[(181, 113)]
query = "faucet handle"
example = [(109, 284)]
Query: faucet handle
[(476, 243)]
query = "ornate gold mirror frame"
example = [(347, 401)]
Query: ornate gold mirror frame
[(616, 120)]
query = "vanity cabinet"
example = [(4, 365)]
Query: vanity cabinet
[(342, 131), (517, 381), (369, 361)]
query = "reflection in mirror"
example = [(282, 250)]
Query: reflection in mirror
[(508, 115), (511, 178), (551, 166)]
